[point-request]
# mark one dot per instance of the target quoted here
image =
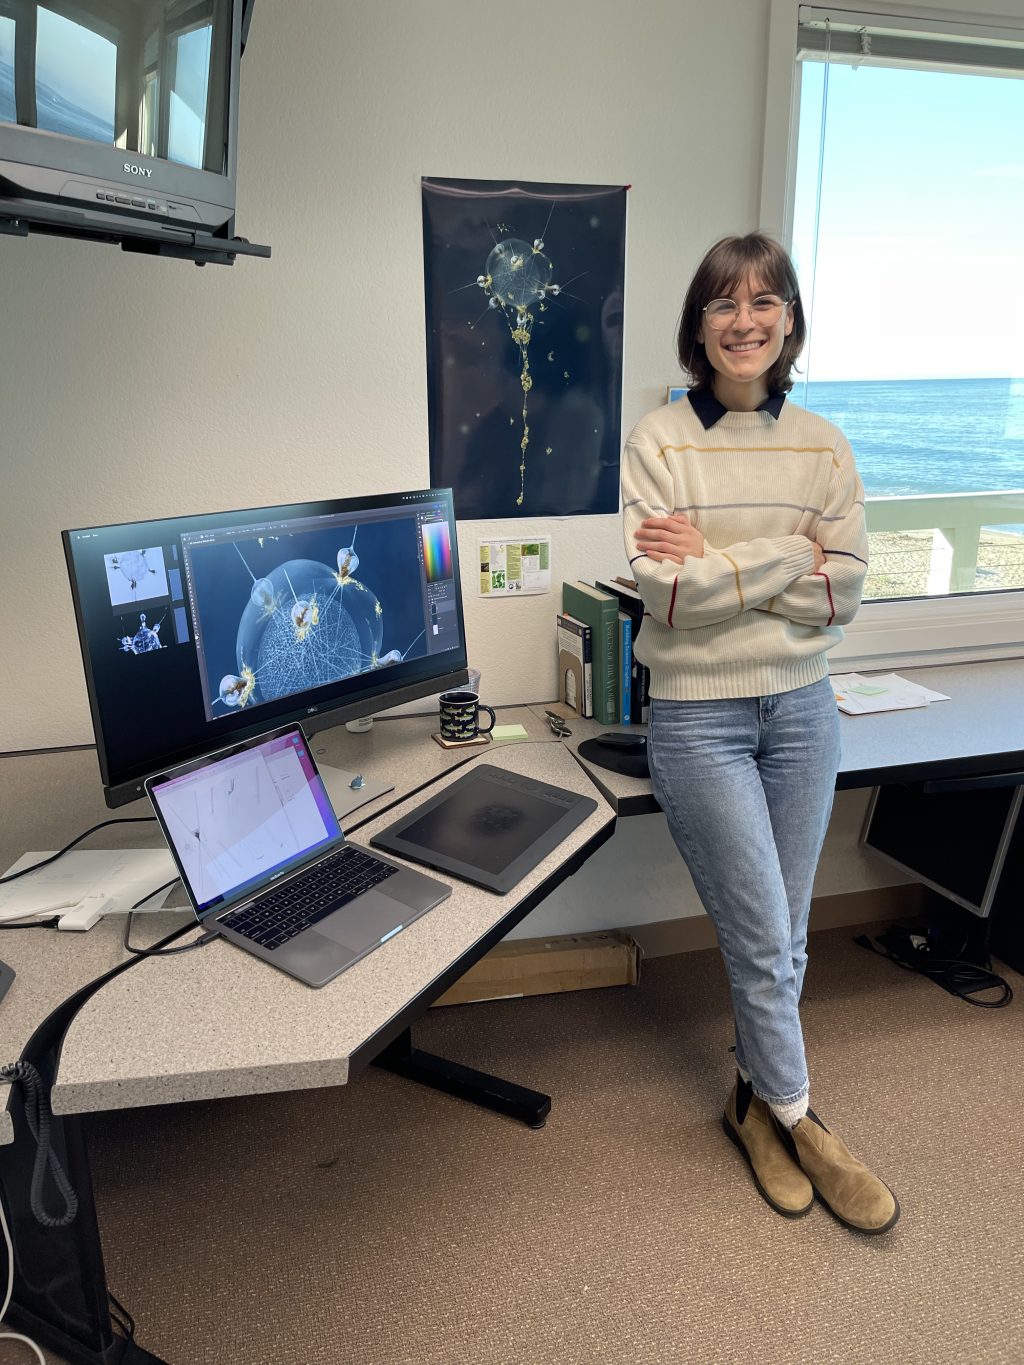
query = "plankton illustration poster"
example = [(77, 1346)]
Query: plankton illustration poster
[(524, 307)]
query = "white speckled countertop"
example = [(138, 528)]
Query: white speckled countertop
[(46, 799), (220, 1022)]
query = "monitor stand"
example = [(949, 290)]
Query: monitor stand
[(350, 790)]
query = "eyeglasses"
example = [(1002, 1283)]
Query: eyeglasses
[(765, 310), (557, 725)]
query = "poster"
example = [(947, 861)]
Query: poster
[(512, 568), (524, 304)]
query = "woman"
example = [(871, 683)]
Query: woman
[(744, 525)]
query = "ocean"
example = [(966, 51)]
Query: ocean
[(927, 435)]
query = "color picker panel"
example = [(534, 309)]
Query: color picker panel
[(437, 551)]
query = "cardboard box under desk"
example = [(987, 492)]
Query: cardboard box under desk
[(542, 966)]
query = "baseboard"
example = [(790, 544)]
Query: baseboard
[(695, 932)]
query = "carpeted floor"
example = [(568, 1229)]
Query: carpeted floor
[(384, 1224)]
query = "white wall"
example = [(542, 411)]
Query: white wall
[(133, 387)]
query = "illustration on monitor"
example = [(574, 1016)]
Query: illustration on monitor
[(144, 639), (136, 576), (301, 622)]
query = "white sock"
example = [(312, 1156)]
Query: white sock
[(789, 1115), (743, 1072)]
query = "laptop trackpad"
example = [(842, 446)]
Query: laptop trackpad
[(363, 921)]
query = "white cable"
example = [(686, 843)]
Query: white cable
[(13, 1336)]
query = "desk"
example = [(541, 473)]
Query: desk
[(974, 737), (219, 1022), (132, 1043), (980, 730)]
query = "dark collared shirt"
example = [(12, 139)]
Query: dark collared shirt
[(710, 410)]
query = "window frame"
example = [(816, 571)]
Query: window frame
[(956, 627)]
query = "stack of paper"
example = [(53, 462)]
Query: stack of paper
[(124, 876), (860, 696)]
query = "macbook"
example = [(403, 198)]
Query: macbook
[(265, 863)]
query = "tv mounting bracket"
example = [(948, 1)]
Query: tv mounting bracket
[(20, 217)]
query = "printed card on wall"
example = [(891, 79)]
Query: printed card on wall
[(524, 304), (512, 568)]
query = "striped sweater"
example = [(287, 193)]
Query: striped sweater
[(751, 617)]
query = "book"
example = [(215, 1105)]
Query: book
[(600, 611), (575, 666), (625, 667), (630, 601)]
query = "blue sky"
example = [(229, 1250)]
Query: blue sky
[(920, 266)]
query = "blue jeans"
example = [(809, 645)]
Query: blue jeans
[(746, 784)]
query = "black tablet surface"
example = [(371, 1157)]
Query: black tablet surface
[(490, 827)]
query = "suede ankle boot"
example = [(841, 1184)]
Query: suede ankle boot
[(856, 1197), (748, 1123)]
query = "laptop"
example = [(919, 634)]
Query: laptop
[(266, 865)]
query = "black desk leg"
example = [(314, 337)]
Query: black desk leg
[(505, 1097), (60, 1285)]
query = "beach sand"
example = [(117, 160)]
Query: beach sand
[(900, 561)]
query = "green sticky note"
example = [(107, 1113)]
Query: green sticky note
[(509, 732), (868, 690)]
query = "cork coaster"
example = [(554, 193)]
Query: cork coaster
[(475, 743)]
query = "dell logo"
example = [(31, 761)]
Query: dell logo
[(310, 710), (131, 169)]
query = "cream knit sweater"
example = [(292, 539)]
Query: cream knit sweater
[(750, 618)]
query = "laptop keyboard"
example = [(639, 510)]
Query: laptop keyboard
[(280, 915)]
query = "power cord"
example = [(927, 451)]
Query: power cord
[(37, 1116), (13, 1336), (200, 942), (45, 862), (52, 922), (121, 1316), (963, 979)]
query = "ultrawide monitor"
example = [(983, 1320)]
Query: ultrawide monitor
[(196, 631)]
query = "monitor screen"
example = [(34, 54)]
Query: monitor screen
[(197, 630), (143, 78), (119, 122)]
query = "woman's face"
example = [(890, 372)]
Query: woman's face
[(748, 348)]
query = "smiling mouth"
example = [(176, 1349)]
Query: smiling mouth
[(742, 347)]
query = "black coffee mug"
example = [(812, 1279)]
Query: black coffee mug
[(460, 716)]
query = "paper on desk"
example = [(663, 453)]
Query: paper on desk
[(124, 875), (861, 696)]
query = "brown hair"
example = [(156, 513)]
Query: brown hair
[(730, 263)]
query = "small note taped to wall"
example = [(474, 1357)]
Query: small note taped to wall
[(515, 568)]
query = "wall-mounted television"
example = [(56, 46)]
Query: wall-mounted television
[(119, 122)]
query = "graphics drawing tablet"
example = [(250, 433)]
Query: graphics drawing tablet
[(490, 827)]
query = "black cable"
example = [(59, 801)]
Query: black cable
[(37, 1116), (118, 820), (959, 978), (128, 1324), (35, 924), (200, 942)]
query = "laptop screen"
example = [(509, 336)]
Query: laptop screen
[(239, 821)]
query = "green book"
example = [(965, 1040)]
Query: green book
[(600, 611)]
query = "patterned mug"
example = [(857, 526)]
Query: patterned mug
[(460, 716)]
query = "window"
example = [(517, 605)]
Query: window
[(901, 197), (76, 77), (190, 81), (8, 110)]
